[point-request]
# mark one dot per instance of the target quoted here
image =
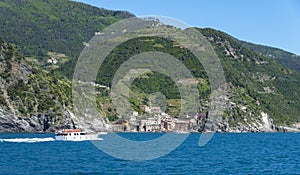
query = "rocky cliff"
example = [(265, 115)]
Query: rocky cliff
[(31, 100), (10, 122)]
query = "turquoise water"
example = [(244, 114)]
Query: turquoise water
[(251, 153)]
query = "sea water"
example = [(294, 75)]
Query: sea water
[(244, 153)]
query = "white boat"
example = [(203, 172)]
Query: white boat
[(76, 135)]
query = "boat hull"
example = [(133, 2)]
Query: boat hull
[(78, 138)]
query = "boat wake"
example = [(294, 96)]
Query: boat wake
[(28, 140)]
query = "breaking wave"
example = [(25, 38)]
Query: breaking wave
[(28, 140)]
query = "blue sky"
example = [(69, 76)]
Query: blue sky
[(269, 22)]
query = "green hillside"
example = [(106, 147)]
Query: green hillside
[(253, 77), (285, 58), (37, 27), (260, 78)]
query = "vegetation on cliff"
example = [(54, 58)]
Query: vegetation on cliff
[(26, 90)]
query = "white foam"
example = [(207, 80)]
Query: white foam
[(28, 140)]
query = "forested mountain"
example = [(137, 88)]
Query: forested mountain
[(37, 27), (257, 77), (260, 79)]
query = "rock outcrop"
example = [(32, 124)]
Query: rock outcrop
[(266, 124), (37, 123)]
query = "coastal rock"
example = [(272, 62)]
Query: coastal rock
[(46, 123), (38, 123), (265, 124)]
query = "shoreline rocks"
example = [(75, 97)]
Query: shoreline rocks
[(43, 123), (33, 124)]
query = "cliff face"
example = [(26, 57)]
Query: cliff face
[(36, 123), (30, 99)]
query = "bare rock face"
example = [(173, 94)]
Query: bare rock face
[(38, 123), (13, 123), (46, 123), (264, 125)]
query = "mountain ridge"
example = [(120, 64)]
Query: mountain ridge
[(283, 57)]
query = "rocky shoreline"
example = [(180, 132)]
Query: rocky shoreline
[(43, 123), (34, 124), (10, 123)]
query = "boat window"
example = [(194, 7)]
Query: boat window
[(61, 134), (82, 133)]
